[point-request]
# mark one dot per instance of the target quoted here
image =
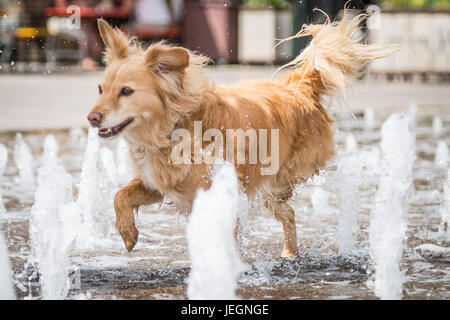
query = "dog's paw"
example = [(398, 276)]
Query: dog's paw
[(129, 235), (288, 254)]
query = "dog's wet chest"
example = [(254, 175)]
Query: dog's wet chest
[(156, 175), (145, 169)]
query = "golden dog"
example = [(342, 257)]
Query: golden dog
[(148, 93)]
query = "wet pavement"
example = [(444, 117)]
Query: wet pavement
[(159, 265)]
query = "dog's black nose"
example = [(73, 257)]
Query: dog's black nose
[(95, 118)]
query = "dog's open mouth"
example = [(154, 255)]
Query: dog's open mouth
[(113, 131)]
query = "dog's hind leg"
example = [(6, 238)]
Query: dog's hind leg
[(127, 200), (285, 214)]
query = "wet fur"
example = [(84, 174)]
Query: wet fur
[(172, 90)]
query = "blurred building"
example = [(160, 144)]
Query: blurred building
[(229, 31)]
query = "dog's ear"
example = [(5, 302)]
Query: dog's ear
[(115, 41), (167, 59)]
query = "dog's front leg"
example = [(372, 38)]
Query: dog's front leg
[(127, 200)]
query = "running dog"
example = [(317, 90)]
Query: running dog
[(149, 93)]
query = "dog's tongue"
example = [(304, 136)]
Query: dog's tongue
[(112, 131)]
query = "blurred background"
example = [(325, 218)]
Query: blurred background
[(51, 52), (53, 34), (50, 69)]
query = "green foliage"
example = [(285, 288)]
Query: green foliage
[(277, 4), (418, 4)]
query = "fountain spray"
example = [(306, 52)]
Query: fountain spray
[(350, 143), (6, 289), (24, 162), (349, 169), (444, 228), (124, 168), (51, 244), (95, 197), (441, 155), (412, 114), (437, 127), (215, 261), (388, 220), (369, 119), (109, 164), (3, 160)]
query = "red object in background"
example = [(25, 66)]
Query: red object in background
[(140, 32), (210, 27), (149, 33), (89, 13)]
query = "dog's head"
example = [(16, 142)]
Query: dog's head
[(137, 95)]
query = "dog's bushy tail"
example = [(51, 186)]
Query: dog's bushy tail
[(334, 54)]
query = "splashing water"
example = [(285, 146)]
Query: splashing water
[(109, 164), (445, 210), (412, 113), (95, 196), (320, 196), (369, 119), (6, 288), (124, 168), (242, 217), (77, 137), (371, 160), (24, 162), (438, 128), (349, 168), (215, 262), (388, 217), (350, 143), (89, 182), (51, 244), (320, 199), (51, 149), (3, 160), (163, 258), (441, 155)]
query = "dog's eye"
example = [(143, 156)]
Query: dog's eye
[(100, 89), (126, 91)]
